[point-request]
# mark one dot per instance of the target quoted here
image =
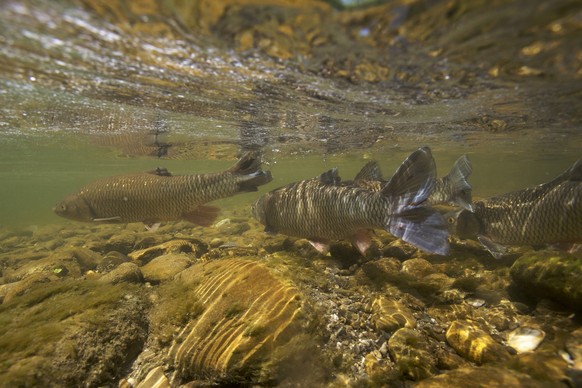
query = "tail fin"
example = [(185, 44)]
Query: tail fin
[(254, 180), (247, 164), (250, 174), (414, 179), (423, 227), (458, 181), (410, 186)]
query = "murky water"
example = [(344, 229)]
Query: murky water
[(94, 88)]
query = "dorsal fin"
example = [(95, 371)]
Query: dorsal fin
[(330, 177), (370, 172), (161, 171), (575, 172)]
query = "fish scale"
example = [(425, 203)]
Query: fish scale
[(319, 209), (159, 196), (545, 214), (526, 218), (324, 209)]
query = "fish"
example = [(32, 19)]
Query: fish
[(549, 213), (453, 189), (158, 196), (322, 209)]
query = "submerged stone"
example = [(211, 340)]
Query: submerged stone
[(479, 377), (71, 333), (413, 354), (525, 339), (473, 343), (545, 274), (125, 273), (246, 328), (191, 248), (389, 315), (164, 267)]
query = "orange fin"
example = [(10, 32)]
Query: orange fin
[(320, 246), (362, 241), (202, 215)]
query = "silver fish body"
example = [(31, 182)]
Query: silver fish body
[(452, 188), (544, 214), (159, 196), (321, 210)]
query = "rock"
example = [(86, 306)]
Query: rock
[(574, 347), (389, 315), (547, 274), (545, 365), (418, 268), (89, 331), (380, 272), (525, 339), (232, 228), (165, 267), (125, 273), (399, 250), (111, 260), (479, 377), (11, 290), (473, 343), (447, 359), (413, 354), (245, 326), (191, 248), (57, 262), (87, 258), (229, 251), (122, 242), (432, 284), (155, 378)]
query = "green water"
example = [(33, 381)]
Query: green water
[(35, 176)]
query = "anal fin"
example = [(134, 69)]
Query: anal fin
[(497, 250), (203, 215)]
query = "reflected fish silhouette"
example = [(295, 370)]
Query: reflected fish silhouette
[(545, 214), (452, 188), (160, 196), (322, 210)]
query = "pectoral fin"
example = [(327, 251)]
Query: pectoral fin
[(152, 227), (497, 250), (202, 215), (362, 241), (321, 246)]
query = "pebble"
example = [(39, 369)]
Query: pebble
[(124, 273), (525, 339)]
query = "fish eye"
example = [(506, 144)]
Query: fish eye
[(451, 220), (62, 207)]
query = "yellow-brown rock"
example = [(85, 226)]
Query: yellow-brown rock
[(389, 315), (248, 314), (473, 343), (170, 247)]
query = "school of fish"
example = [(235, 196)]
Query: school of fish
[(325, 208)]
